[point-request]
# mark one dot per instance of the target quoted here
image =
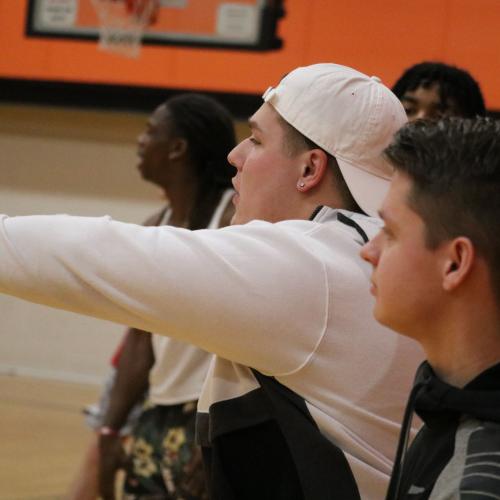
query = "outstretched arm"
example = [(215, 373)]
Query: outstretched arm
[(240, 292)]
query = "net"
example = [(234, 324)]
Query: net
[(122, 24)]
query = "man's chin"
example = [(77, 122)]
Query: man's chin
[(391, 322), (379, 316)]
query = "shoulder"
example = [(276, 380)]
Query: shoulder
[(343, 231), (479, 442), (157, 218), (474, 468)]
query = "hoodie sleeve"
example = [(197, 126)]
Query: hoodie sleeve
[(254, 294)]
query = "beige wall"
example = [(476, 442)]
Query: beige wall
[(76, 162)]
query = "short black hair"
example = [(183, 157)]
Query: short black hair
[(454, 83), (454, 166)]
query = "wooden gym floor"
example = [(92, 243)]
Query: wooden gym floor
[(42, 436)]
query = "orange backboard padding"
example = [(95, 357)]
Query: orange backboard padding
[(379, 37)]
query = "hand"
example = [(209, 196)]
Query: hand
[(112, 457)]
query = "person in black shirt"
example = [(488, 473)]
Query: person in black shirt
[(436, 279)]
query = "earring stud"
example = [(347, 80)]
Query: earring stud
[(301, 184)]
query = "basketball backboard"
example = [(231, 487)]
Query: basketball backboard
[(234, 24)]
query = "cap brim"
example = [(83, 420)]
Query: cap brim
[(367, 189)]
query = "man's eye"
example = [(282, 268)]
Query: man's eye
[(410, 111), (386, 232), (253, 140)]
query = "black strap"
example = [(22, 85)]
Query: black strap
[(350, 222), (315, 212)]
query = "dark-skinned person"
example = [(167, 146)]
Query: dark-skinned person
[(183, 150), (432, 90)]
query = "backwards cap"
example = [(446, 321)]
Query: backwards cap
[(348, 114)]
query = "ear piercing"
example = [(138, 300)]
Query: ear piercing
[(301, 184)]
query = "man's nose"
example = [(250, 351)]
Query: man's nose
[(369, 252), (234, 156)]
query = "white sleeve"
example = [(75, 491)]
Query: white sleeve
[(254, 294)]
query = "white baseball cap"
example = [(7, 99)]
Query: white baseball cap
[(348, 114)]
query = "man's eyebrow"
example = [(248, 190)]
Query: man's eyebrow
[(386, 217), (254, 125)]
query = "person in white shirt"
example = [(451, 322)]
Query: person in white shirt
[(304, 395), (152, 392)]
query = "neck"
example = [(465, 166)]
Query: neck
[(466, 344), (325, 195), (182, 197)]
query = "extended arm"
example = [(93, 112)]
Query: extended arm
[(240, 292)]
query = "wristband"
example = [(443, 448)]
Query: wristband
[(105, 430)]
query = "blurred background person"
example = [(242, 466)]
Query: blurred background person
[(432, 90), (183, 150)]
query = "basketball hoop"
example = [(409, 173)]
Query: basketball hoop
[(122, 24)]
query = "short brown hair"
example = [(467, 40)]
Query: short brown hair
[(295, 142), (454, 165)]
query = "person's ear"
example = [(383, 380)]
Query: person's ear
[(458, 261), (177, 148), (313, 169)]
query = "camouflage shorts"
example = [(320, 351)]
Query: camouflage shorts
[(165, 463)]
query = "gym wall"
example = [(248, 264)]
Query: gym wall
[(380, 37)]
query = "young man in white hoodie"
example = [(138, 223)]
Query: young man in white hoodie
[(304, 395)]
